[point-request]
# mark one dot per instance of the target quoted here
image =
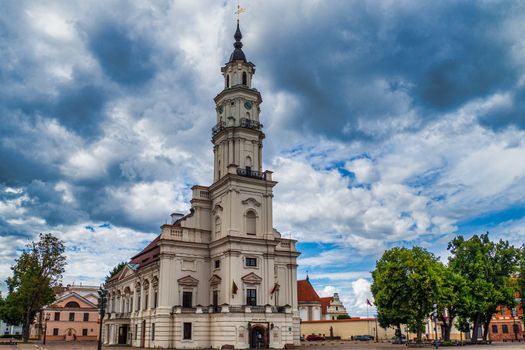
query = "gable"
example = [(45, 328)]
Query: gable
[(125, 272), (215, 280), (82, 302), (188, 281), (252, 278)]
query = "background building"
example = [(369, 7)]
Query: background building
[(73, 316), (9, 329), (347, 328), (220, 275), (314, 308), (507, 324)]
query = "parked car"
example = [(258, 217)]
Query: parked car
[(313, 337), (363, 337), (399, 340)]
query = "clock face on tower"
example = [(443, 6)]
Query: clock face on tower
[(248, 105)]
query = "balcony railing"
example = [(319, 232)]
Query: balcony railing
[(250, 124), (251, 173), (243, 123)]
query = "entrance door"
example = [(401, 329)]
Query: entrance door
[(123, 334), (143, 335), (258, 338), (215, 300)]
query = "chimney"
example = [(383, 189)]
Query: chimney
[(175, 217)]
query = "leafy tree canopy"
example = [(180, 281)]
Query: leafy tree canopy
[(405, 286), (38, 269)]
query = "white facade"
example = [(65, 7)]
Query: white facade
[(221, 275), (334, 308)]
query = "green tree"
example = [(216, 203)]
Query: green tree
[(451, 296), (38, 269), (405, 287), (343, 317), (114, 271), (486, 268)]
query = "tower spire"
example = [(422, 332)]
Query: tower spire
[(237, 53)]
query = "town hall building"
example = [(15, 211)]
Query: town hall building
[(221, 275)]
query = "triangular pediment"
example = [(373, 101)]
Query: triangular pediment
[(252, 278), (73, 296), (188, 281), (215, 280), (125, 272), (251, 201)]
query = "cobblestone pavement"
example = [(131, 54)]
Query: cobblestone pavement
[(306, 346)]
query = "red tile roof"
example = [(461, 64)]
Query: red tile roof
[(148, 254), (325, 303), (306, 292)]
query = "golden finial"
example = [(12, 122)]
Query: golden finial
[(239, 10)]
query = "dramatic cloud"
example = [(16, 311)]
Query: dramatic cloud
[(387, 123)]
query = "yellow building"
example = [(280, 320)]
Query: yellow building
[(347, 328)]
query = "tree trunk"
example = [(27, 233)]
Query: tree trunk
[(475, 327), (486, 329), (25, 328), (418, 333), (448, 327)]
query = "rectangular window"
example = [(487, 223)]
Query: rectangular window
[(155, 299), (86, 316), (217, 263), (130, 306), (71, 316), (153, 331), (136, 331), (215, 297), (84, 332), (505, 328), (146, 302), (55, 331), (186, 299), (251, 261), (494, 328), (187, 331), (138, 303), (251, 297), (57, 316)]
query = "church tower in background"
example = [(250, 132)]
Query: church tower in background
[(221, 274)]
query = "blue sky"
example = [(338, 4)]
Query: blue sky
[(388, 123)]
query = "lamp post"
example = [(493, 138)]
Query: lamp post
[(102, 300), (46, 318)]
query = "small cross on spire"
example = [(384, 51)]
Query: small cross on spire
[(239, 11)]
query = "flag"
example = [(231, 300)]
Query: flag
[(234, 288), (369, 302), (275, 288)]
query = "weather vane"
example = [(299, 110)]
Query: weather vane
[(239, 10)]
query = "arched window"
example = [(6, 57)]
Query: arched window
[(228, 81), (248, 162), (250, 223), (218, 226), (73, 304), (244, 78)]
